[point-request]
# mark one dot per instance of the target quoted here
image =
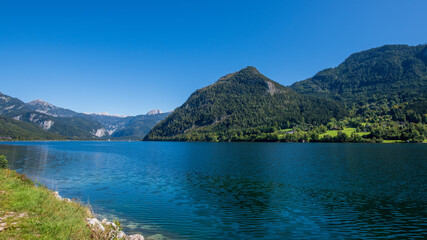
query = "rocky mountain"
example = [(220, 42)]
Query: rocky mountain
[(112, 126), (73, 125), (128, 127), (49, 109), (153, 112), (242, 105), (109, 122), (9, 104), (69, 127), (139, 126)]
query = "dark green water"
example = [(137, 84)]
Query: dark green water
[(240, 190)]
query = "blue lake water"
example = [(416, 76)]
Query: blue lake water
[(239, 190)]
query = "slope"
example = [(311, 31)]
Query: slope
[(391, 74), (49, 109), (11, 129), (139, 126), (240, 106), (70, 127)]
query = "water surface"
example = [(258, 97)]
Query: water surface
[(239, 190)]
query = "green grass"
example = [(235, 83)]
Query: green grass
[(399, 141), (348, 131), (393, 141), (332, 133), (44, 216), (285, 130)]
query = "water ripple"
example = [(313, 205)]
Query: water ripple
[(240, 190)]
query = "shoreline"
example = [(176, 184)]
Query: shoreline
[(42, 213), (170, 141), (103, 228)]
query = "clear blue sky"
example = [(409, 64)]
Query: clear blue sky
[(128, 57)]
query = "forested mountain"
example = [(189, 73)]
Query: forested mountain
[(242, 105), (391, 75), (383, 91), (11, 129)]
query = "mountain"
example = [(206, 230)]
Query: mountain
[(74, 125), (139, 126), (390, 75), (49, 109), (70, 127), (11, 129), (112, 126), (242, 105), (154, 111), (128, 127), (109, 122), (104, 125), (9, 105)]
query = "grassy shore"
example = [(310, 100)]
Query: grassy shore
[(33, 212), (333, 133), (348, 131)]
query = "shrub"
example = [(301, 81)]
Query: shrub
[(3, 162)]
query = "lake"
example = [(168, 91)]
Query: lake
[(239, 190)]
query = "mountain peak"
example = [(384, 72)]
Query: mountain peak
[(250, 69), (107, 114), (237, 102), (154, 111), (50, 109), (39, 102), (247, 72)]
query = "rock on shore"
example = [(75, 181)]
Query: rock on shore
[(104, 228), (110, 230)]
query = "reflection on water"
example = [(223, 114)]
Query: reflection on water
[(240, 190)]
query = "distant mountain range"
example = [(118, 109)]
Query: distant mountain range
[(67, 124)]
